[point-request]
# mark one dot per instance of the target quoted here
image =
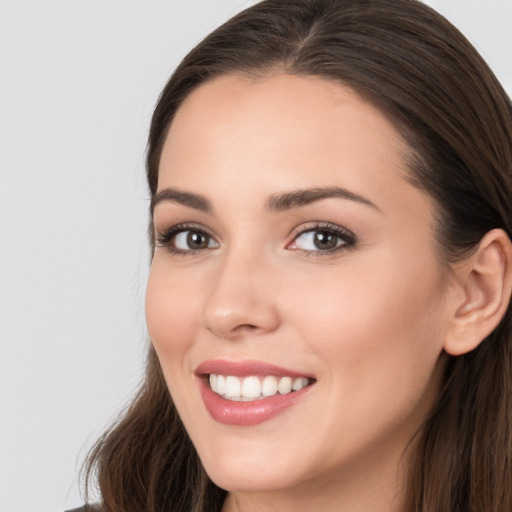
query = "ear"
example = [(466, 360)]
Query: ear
[(485, 280)]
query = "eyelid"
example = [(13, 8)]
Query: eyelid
[(164, 237)]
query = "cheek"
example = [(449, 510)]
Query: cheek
[(172, 312), (379, 338), (172, 318), (375, 326)]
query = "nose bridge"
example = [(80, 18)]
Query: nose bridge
[(241, 298)]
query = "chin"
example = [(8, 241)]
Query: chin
[(252, 464), (244, 475)]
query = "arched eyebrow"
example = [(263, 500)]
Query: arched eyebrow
[(276, 203), (195, 201), (303, 197)]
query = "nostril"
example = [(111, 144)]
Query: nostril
[(244, 329)]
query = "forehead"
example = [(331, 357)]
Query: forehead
[(280, 132), (276, 106)]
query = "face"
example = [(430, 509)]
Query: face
[(295, 270)]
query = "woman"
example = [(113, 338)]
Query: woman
[(328, 301)]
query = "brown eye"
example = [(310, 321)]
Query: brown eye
[(192, 240), (323, 240), (197, 240)]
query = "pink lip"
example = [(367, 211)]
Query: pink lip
[(231, 412), (245, 369)]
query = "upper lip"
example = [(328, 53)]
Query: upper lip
[(246, 368)]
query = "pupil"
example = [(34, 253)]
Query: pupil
[(197, 240), (325, 240)]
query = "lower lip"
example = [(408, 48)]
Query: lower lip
[(245, 414)]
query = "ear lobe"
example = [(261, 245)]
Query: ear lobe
[(486, 281)]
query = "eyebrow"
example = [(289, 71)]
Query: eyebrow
[(295, 199), (276, 203), (195, 201)]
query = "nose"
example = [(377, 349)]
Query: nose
[(242, 301)]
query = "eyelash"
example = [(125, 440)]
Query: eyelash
[(166, 238), (347, 238)]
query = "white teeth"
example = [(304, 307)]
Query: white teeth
[(221, 385), (251, 387), (213, 381), (299, 383), (254, 387), (269, 386), (285, 385), (233, 387)]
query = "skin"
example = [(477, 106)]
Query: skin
[(369, 320)]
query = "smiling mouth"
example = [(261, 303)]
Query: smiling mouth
[(252, 388)]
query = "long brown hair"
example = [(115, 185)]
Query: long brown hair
[(434, 87)]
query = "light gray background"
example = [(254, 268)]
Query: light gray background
[(78, 81)]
